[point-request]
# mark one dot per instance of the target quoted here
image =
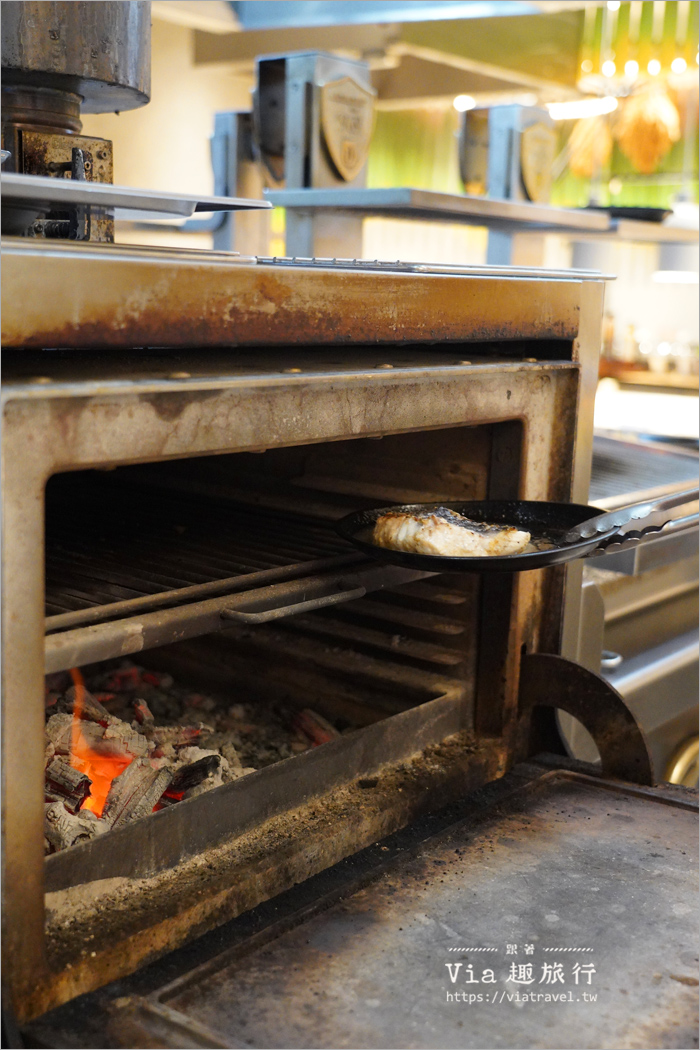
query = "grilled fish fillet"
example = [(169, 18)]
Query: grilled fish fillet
[(445, 532)]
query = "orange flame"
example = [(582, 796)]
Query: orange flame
[(101, 769)]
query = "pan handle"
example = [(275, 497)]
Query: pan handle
[(615, 519)]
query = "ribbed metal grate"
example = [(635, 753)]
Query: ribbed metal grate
[(620, 468), (111, 542)]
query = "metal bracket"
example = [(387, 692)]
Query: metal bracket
[(551, 681)]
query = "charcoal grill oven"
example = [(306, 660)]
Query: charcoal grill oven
[(220, 413)]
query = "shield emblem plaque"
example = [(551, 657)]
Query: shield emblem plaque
[(538, 144), (347, 120)]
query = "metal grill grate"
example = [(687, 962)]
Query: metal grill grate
[(110, 543), (621, 468), (132, 567)]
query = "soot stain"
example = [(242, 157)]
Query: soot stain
[(170, 406)]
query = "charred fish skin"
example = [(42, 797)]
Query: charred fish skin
[(444, 532)]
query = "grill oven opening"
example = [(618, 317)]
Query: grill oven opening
[(174, 588)]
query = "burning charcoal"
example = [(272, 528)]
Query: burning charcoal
[(59, 729), (177, 736), (123, 679), (142, 711), (116, 741), (163, 756), (135, 792), (159, 679), (67, 785), (90, 708), (63, 829), (314, 726), (196, 700), (190, 775), (221, 774), (104, 698), (125, 740), (51, 699)]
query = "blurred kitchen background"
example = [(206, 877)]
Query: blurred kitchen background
[(615, 83)]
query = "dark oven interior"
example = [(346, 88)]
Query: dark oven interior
[(185, 570)]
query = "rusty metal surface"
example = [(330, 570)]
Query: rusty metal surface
[(131, 922), (109, 409), (41, 154), (173, 301), (189, 829), (87, 420), (552, 681), (584, 872)]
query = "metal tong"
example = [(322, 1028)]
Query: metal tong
[(616, 519)]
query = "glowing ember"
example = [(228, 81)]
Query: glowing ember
[(101, 769)]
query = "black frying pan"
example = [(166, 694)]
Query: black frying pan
[(549, 524)]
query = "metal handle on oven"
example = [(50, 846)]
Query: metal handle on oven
[(238, 616)]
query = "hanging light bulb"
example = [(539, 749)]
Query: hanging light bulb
[(621, 41)]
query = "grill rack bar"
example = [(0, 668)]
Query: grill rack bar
[(184, 595), (103, 641)]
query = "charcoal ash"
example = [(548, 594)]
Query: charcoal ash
[(65, 784), (63, 829)]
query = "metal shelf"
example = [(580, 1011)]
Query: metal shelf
[(499, 215), (41, 190)]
